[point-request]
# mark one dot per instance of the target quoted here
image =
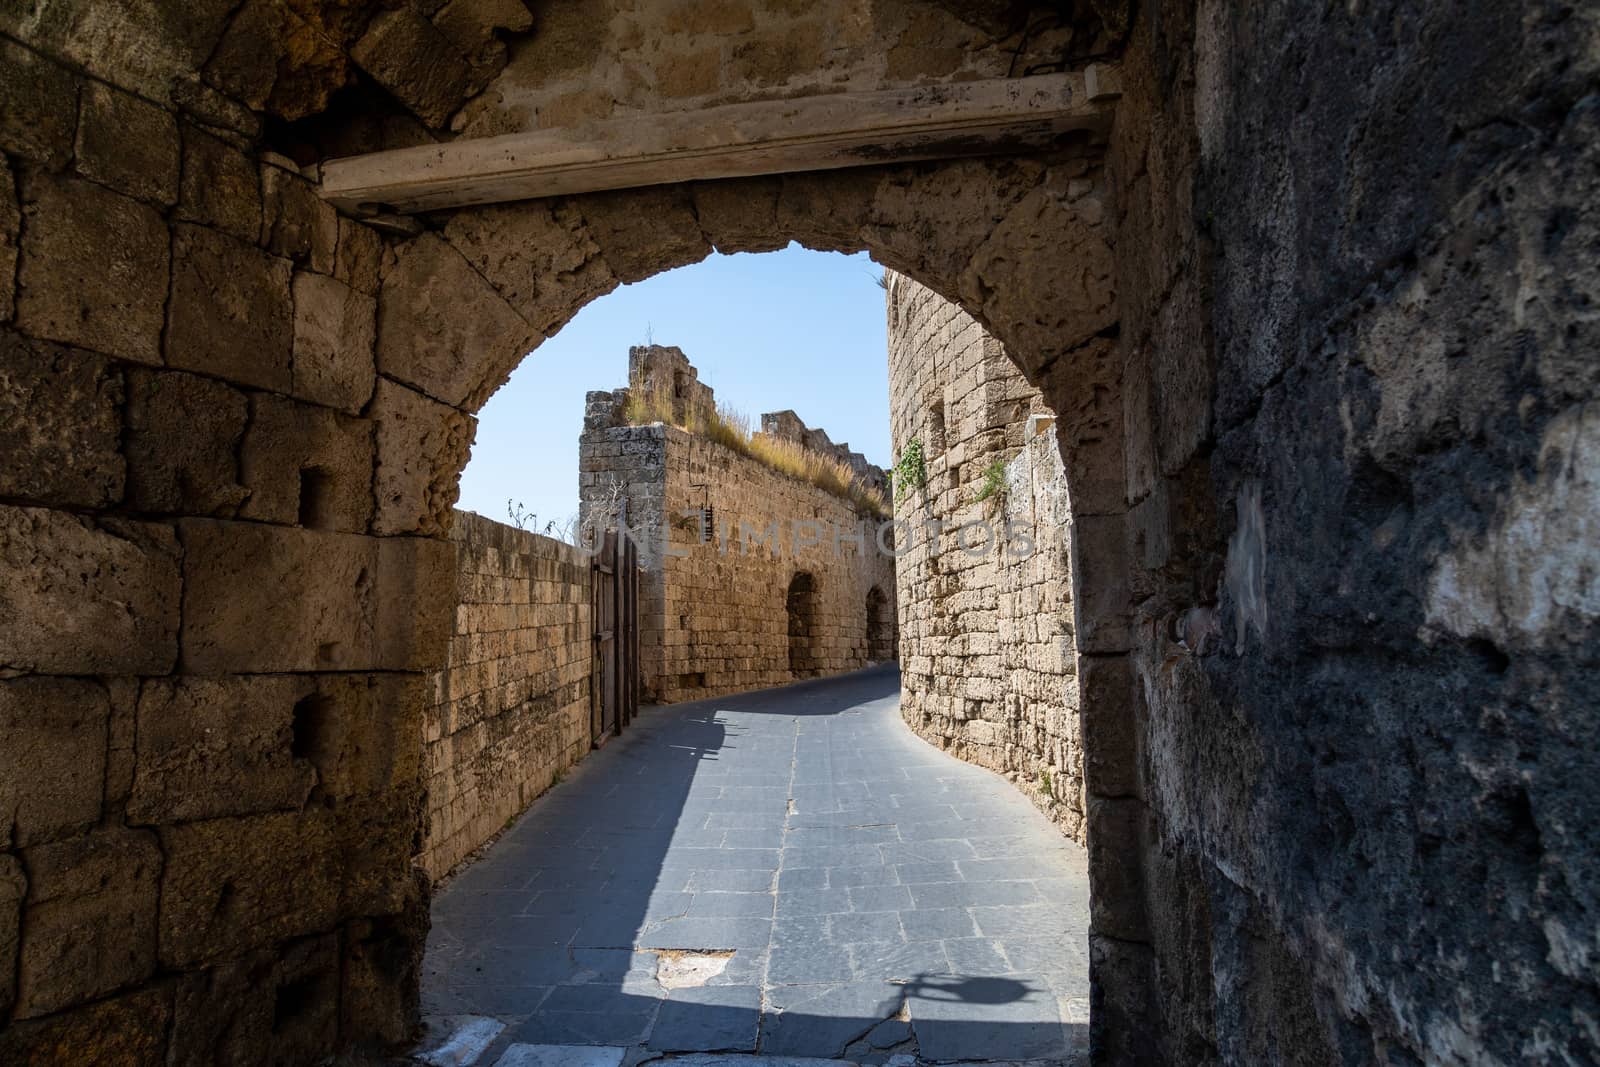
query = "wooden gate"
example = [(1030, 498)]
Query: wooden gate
[(614, 697)]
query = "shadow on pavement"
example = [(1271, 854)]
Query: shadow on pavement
[(789, 871)]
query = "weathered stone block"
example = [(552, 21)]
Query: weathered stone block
[(127, 144), (382, 971), (221, 186), (52, 757), (416, 585), (740, 216), (41, 107), (475, 26), (1110, 727), (1138, 440), (422, 446), (264, 598), (1123, 1021), (772, 60), (209, 107), (335, 327), (1183, 376), (119, 749), (358, 257), (127, 1031), (79, 597), (408, 56), (362, 730), (1100, 560), (1048, 313), (233, 885), (272, 59), (90, 919), (540, 258), (295, 222), (141, 47), (182, 443), (615, 220), (60, 424), (306, 465), (1116, 865), (377, 839), (829, 207), (690, 73), (443, 329), (94, 269), (208, 748), (271, 1007), (10, 235), (13, 886), (231, 315), (269, 598)]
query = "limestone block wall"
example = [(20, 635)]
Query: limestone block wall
[(215, 632), (511, 709), (714, 597), (726, 623), (989, 663)]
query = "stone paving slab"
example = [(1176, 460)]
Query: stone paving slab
[(851, 895), (561, 1056)]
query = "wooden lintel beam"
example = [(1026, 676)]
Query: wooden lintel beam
[(821, 132)]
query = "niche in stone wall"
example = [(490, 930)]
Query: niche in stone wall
[(802, 608), (936, 443), (880, 627)]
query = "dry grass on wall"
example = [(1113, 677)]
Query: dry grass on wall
[(730, 428)]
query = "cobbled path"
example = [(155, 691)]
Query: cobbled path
[(789, 872)]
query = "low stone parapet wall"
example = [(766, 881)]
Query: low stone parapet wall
[(510, 712)]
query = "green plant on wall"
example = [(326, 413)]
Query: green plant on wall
[(910, 470), (994, 482)]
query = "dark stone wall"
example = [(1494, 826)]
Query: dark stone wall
[(1371, 832)]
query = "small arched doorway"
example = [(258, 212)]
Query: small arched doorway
[(802, 608), (880, 627)]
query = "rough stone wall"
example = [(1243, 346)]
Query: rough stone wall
[(713, 609), (726, 620), (989, 667), (511, 709), (213, 671), (1365, 816), (606, 58)]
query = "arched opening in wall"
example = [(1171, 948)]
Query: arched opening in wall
[(881, 643), (785, 783), (726, 418), (417, 321), (800, 608)]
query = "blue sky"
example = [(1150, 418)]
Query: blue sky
[(788, 329)]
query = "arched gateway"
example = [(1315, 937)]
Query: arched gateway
[(235, 419)]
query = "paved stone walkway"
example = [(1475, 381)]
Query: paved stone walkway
[(790, 872)]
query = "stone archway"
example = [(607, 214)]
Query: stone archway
[(800, 605), (460, 305), (281, 404)]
